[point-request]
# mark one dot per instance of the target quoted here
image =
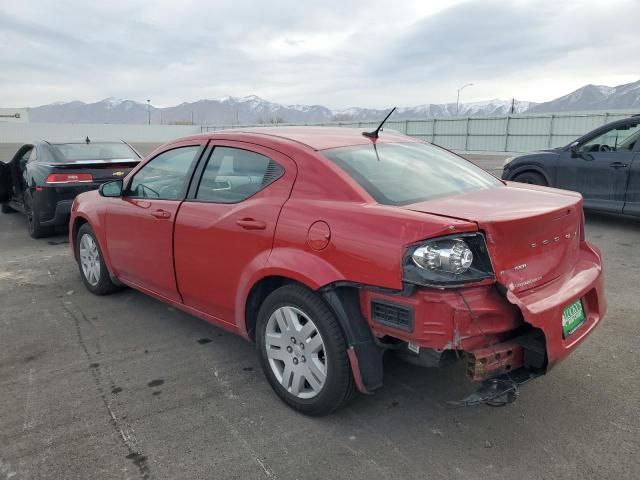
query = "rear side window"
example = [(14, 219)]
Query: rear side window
[(92, 151), (405, 173), (233, 175), (165, 176)]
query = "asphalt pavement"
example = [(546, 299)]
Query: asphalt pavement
[(125, 386)]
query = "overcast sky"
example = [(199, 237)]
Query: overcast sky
[(337, 53)]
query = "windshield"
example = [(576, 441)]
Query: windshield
[(64, 152), (404, 173)]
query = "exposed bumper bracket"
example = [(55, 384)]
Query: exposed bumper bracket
[(498, 391)]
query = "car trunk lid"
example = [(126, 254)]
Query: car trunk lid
[(532, 234), (100, 170)]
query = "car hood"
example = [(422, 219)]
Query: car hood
[(532, 233)]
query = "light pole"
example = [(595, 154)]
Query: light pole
[(458, 99), (149, 109)]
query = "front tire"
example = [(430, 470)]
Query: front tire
[(93, 270), (532, 178), (303, 351)]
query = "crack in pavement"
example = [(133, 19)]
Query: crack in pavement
[(124, 431)]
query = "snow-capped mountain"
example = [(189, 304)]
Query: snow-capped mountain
[(430, 110), (226, 110), (253, 109), (594, 97), (109, 110), (246, 110)]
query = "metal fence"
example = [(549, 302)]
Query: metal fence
[(512, 133)]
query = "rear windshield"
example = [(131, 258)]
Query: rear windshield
[(404, 173), (92, 151)]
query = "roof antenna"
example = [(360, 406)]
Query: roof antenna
[(87, 140), (376, 132)]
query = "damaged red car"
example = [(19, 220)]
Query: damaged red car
[(328, 247)]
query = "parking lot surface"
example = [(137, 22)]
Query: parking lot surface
[(124, 386)]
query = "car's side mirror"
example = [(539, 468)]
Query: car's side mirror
[(574, 149), (111, 189)]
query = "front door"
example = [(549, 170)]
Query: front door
[(139, 224), (599, 168), (632, 200), (6, 191), (226, 226)]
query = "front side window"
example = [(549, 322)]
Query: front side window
[(405, 173), (233, 175), (619, 138), (164, 177)]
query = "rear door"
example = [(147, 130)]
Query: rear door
[(139, 224), (599, 169), (228, 222)]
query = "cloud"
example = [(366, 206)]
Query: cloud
[(374, 53)]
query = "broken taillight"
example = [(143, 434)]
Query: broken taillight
[(56, 178)]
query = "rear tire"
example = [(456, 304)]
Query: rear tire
[(7, 209), (93, 270), (532, 178), (303, 351), (36, 229)]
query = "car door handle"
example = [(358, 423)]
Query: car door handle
[(161, 214), (251, 224), (617, 165)]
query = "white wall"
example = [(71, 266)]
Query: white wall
[(27, 132), (514, 133), (14, 115)]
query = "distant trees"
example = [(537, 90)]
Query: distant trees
[(342, 117), (272, 120)]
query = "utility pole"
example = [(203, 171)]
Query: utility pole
[(458, 98), (149, 110)]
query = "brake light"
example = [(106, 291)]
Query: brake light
[(69, 178)]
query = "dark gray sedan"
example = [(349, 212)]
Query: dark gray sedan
[(603, 165)]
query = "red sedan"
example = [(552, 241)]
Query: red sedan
[(327, 248)]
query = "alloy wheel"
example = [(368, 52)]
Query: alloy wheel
[(296, 352), (90, 259)]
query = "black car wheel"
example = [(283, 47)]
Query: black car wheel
[(533, 178), (303, 351), (36, 230), (93, 270)]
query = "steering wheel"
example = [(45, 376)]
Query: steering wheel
[(604, 148)]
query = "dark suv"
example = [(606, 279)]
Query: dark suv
[(603, 165)]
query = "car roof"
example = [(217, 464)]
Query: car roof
[(316, 138), (77, 140)]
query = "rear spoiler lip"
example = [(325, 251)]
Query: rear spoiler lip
[(94, 162)]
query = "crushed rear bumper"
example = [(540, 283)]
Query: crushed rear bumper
[(500, 331), (543, 307)]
